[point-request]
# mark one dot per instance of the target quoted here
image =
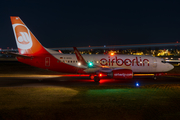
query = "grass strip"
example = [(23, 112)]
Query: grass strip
[(90, 102)]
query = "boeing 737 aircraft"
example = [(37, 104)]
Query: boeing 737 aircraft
[(98, 66)]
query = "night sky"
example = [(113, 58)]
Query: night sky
[(67, 23)]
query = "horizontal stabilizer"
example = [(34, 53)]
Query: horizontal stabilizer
[(16, 55)]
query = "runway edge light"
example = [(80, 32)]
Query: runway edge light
[(137, 84)]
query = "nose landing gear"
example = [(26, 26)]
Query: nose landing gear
[(96, 79), (154, 77)]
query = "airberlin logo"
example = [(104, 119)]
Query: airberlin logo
[(23, 37), (127, 62)]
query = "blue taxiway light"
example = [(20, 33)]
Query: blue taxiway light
[(137, 84)]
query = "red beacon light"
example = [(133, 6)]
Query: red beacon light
[(100, 75)]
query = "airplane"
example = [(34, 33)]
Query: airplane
[(31, 52)]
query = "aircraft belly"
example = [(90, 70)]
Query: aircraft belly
[(91, 70)]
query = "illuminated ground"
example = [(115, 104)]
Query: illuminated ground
[(56, 97), (90, 102)]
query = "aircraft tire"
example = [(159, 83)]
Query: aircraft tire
[(96, 79), (91, 77)]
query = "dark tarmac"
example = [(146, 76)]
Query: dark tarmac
[(80, 81)]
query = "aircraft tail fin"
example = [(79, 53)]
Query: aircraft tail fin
[(26, 42)]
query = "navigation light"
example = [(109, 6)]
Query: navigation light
[(90, 64)]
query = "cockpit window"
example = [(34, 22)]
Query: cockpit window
[(163, 61)]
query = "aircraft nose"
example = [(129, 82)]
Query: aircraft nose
[(170, 66)]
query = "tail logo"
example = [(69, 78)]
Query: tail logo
[(23, 36)]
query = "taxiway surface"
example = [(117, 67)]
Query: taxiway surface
[(80, 81)]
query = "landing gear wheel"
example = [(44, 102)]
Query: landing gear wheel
[(96, 79), (91, 77)]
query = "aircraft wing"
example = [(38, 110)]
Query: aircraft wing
[(79, 57), (82, 61), (90, 67)]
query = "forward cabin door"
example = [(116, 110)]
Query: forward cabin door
[(153, 65), (47, 61)]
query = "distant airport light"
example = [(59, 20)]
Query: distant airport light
[(112, 54), (59, 51), (79, 63), (137, 84)]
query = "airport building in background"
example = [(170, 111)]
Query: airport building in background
[(163, 50)]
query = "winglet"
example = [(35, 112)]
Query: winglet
[(79, 57)]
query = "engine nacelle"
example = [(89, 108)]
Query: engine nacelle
[(122, 74)]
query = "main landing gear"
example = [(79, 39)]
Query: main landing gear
[(95, 78)]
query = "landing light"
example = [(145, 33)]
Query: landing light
[(79, 63)]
